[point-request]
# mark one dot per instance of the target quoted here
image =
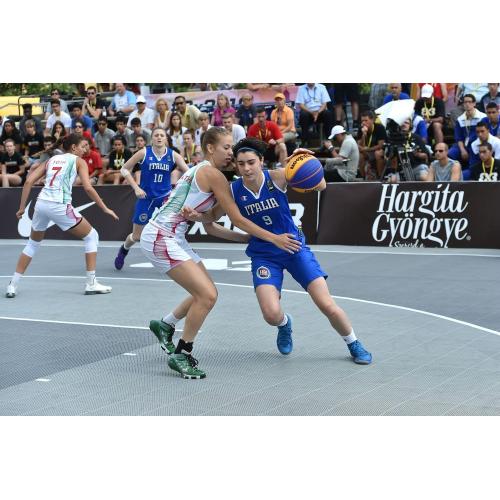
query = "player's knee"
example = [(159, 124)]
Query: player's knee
[(91, 241), (209, 298), (31, 248), (272, 315)]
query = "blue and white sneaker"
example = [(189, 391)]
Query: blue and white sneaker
[(360, 355), (284, 339)]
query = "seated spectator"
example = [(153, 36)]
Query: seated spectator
[(55, 94), (189, 113), (395, 93), (32, 143), (270, 133), (102, 139), (190, 149), (28, 115), (419, 127), (140, 143), (483, 137), (12, 165), (121, 129), (377, 94), (246, 115), (176, 130), (1, 124), (439, 90), (204, 125), (284, 117), (492, 119), (57, 115), (92, 105), (58, 131), (312, 99), (478, 90), (223, 106), (117, 158), (162, 113), (431, 109), (137, 130), (343, 166), (371, 139), (344, 92), (237, 130), (10, 132), (93, 160), (145, 114), (492, 96), (487, 168), (443, 168), (465, 131), (123, 101), (77, 113)]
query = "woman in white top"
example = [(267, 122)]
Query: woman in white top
[(175, 130), (163, 242), (54, 205)]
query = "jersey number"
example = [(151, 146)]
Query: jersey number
[(267, 220), (57, 169), (158, 178)]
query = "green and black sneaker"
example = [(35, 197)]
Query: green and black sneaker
[(185, 364), (164, 333)]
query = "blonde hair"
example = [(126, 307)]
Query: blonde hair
[(158, 101)]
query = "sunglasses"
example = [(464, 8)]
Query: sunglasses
[(90, 93), (78, 126), (178, 102), (439, 150), (54, 93)]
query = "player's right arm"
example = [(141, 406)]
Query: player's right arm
[(218, 231), (83, 172), (33, 176), (126, 171)]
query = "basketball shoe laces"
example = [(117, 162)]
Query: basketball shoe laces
[(193, 362)]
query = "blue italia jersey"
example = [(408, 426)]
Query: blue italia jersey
[(268, 209), (156, 172)]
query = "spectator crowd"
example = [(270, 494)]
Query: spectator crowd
[(330, 119)]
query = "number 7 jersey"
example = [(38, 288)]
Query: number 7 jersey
[(267, 209), (60, 175)]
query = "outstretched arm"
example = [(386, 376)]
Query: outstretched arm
[(218, 231)]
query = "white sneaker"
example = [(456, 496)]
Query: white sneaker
[(96, 288), (11, 291)]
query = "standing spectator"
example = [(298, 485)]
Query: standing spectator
[(465, 131), (189, 114), (10, 132), (492, 119), (492, 96), (344, 92), (77, 112), (443, 168), (204, 123), (103, 137), (145, 114), (439, 90), (270, 133), (343, 166), (223, 106), (483, 137), (237, 130), (162, 113), (377, 94), (190, 149), (487, 168), (93, 160), (176, 130), (137, 130), (431, 109), (395, 93), (246, 115), (123, 101), (58, 130), (121, 129), (93, 106), (32, 142), (117, 158), (312, 99), (28, 115), (57, 115), (371, 139), (55, 94), (284, 117), (12, 165)]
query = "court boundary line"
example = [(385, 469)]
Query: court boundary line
[(340, 297)]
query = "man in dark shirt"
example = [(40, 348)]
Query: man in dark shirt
[(28, 115), (492, 96), (431, 109), (12, 166), (92, 105), (32, 142), (371, 139), (246, 115), (487, 168)]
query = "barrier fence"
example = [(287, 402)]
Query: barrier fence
[(448, 215)]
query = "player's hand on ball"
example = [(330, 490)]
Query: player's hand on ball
[(301, 151), (287, 242), (140, 193)]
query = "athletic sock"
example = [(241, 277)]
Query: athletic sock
[(90, 277), (349, 339), (129, 242), (15, 278), (184, 347), (170, 319), (284, 321)]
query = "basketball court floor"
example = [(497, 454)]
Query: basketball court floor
[(430, 317)]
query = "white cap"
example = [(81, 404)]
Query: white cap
[(141, 99), (427, 90), (338, 129)]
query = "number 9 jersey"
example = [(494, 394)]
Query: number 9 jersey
[(156, 172)]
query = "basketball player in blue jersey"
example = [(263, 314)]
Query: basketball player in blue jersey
[(261, 197), (157, 163)]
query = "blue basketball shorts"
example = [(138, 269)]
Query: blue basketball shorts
[(303, 267), (144, 209)]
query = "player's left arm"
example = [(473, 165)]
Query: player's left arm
[(181, 167), (218, 231), (211, 215)]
